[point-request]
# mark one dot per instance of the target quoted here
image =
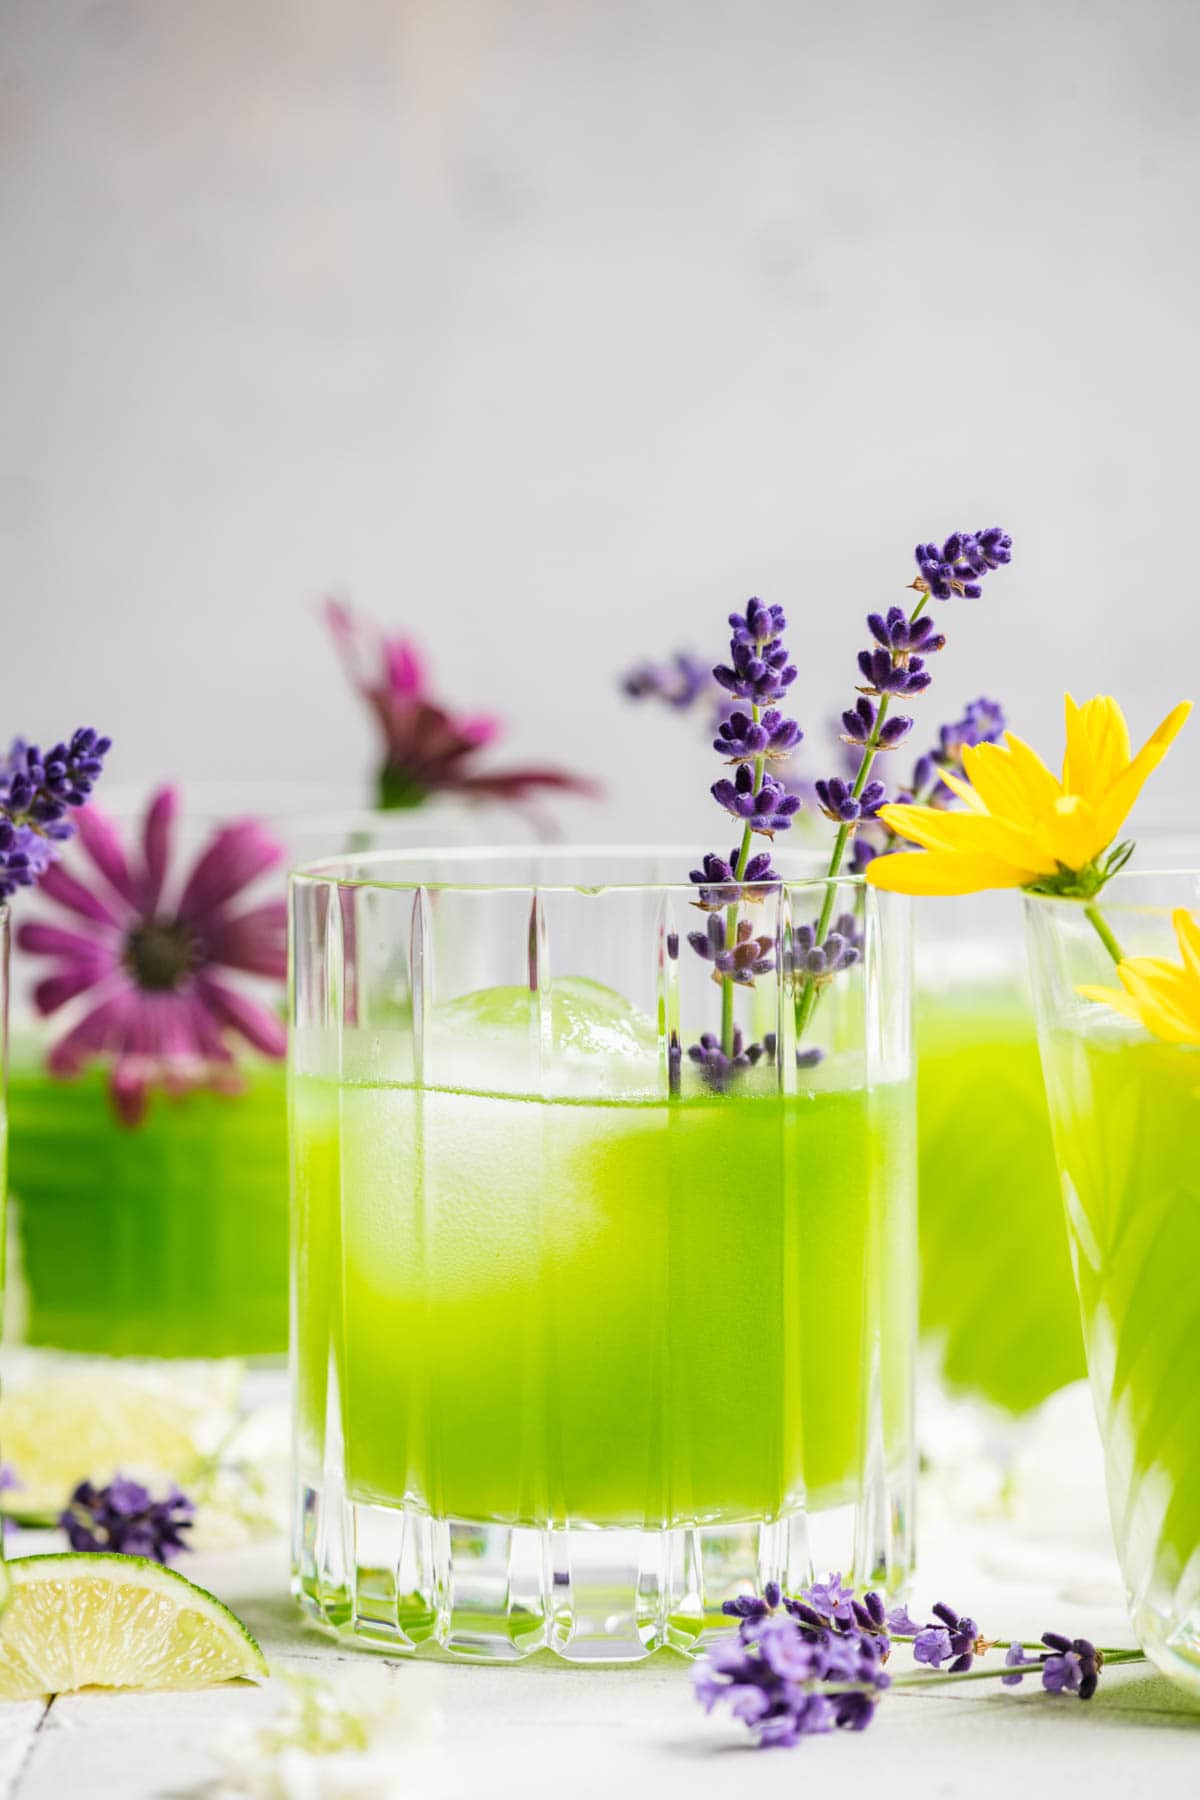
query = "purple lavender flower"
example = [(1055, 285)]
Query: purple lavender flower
[(832, 1600), (718, 1067), (766, 809), (742, 959), (719, 886), (36, 793), (983, 722), (1074, 1668), (678, 683), (932, 1645), (883, 675), (858, 726), (840, 949), (948, 1637), (838, 803), (754, 1606), (760, 624), (124, 1518), (758, 669), (959, 565), (1067, 1665), (808, 1669), (1062, 1673), (741, 738), (901, 636), (901, 1624), (1015, 1658)]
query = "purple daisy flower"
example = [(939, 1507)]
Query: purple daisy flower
[(143, 967), (427, 748)]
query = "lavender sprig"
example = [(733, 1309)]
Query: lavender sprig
[(758, 673), (678, 683), (805, 1665), (125, 1519), (36, 792), (892, 670)]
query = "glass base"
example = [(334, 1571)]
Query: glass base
[(1173, 1645), (397, 1580)]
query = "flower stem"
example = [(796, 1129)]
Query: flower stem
[(808, 998), (810, 994), (731, 912), (1103, 931), (1112, 1659)]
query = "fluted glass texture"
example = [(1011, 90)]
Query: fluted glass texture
[(582, 1343)]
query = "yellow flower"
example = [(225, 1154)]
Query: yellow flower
[(1023, 826), (1163, 996)]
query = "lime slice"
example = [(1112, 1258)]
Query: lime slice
[(92, 1423), (95, 1621)]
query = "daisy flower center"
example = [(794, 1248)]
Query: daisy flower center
[(161, 953)]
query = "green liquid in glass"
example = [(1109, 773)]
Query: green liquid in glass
[(997, 1294), (1128, 1122), (622, 1314), (168, 1240)]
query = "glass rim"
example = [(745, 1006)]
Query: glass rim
[(336, 871), (1124, 879)]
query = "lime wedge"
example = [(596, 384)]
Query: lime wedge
[(91, 1423), (96, 1621)]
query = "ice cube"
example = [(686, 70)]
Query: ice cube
[(600, 1045)]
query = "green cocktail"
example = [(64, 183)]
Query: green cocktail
[(589, 1333), (167, 1241), (1128, 1111), (1122, 1064), (1128, 1122), (555, 1313), (997, 1295)]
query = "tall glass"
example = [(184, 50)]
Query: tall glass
[(167, 1239), (1125, 1108), (992, 1247), (583, 1344)]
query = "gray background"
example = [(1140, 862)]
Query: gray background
[(553, 330)]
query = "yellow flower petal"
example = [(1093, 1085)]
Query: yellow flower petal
[(969, 833), (942, 872), (1013, 782), (963, 790), (1098, 746), (1117, 804), (1070, 834), (1117, 998), (1169, 1006), (1041, 787), (1187, 933)]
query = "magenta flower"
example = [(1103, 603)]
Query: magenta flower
[(143, 968), (427, 750)]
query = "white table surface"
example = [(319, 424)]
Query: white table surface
[(543, 1729)]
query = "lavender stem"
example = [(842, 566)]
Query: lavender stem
[(731, 914), (808, 998)]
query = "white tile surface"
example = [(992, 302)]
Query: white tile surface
[(543, 1731)]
